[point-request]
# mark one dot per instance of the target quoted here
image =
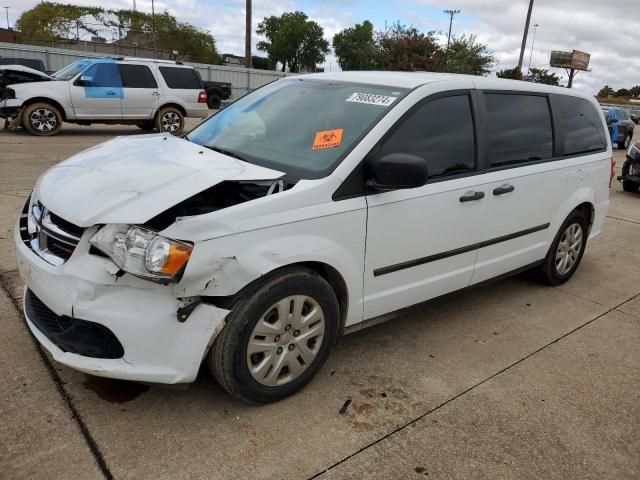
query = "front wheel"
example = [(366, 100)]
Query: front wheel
[(277, 337), (567, 250), (42, 119), (170, 120)]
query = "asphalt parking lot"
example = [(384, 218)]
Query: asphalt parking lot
[(514, 380)]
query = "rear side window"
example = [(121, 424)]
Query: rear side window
[(518, 128), (441, 132), (581, 123), (137, 76), (185, 78)]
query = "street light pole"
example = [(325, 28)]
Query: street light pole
[(524, 36), (7, 11), (153, 27), (451, 14), (533, 42)]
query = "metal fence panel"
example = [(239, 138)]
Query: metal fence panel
[(242, 80)]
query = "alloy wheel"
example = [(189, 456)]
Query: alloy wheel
[(285, 340), (43, 120), (170, 122), (569, 248)]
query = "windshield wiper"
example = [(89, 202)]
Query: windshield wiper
[(226, 152)]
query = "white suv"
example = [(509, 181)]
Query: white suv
[(148, 93), (306, 209)]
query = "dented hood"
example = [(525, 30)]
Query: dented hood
[(132, 179)]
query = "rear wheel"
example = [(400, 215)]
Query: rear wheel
[(567, 250), (276, 337), (629, 187), (170, 120), (42, 119), (213, 101)]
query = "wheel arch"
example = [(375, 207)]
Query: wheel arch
[(329, 273), (49, 100), (171, 104)]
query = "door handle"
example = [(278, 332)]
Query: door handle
[(110, 92), (502, 189), (155, 94), (471, 196)]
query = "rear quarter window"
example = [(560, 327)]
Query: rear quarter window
[(182, 78), (582, 125)]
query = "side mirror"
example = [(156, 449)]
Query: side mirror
[(397, 171), (85, 81)]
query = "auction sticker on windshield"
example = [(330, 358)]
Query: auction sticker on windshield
[(371, 99), (328, 139)]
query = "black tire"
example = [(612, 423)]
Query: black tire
[(170, 120), (42, 119), (549, 271), (630, 187), (149, 125), (213, 101), (624, 144), (228, 359)]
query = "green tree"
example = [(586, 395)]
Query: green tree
[(49, 21), (406, 48), (262, 63), (293, 40), (467, 55), (635, 91), (355, 47), (623, 92), (541, 75), (606, 91), (512, 73)]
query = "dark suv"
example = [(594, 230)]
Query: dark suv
[(620, 125)]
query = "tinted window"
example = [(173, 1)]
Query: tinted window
[(441, 131), (181, 78), (102, 75), (137, 76), (518, 128), (580, 120)]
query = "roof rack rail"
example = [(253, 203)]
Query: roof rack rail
[(154, 60)]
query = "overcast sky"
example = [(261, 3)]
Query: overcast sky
[(607, 30)]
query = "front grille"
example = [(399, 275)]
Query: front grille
[(72, 335), (50, 236)]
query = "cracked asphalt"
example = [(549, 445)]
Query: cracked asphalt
[(512, 380)]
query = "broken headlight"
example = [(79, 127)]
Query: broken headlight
[(142, 252)]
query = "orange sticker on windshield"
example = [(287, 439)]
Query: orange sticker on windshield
[(327, 139)]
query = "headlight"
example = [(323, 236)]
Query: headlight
[(142, 252)]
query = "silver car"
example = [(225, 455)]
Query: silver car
[(148, 93)]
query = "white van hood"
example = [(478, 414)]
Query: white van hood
[(132, 179)]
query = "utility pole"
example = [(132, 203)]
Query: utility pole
[(247, 36), (451, 14), (7, 11), (153, 27), (533, 42), (524, 36)]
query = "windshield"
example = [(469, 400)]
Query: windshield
[(302, 127), (70, 71)]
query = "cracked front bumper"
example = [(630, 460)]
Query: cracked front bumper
[(141, 315)]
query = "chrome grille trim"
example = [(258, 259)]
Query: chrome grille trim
[(46, 238)]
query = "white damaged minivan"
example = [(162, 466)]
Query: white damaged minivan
[(307, 209)]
